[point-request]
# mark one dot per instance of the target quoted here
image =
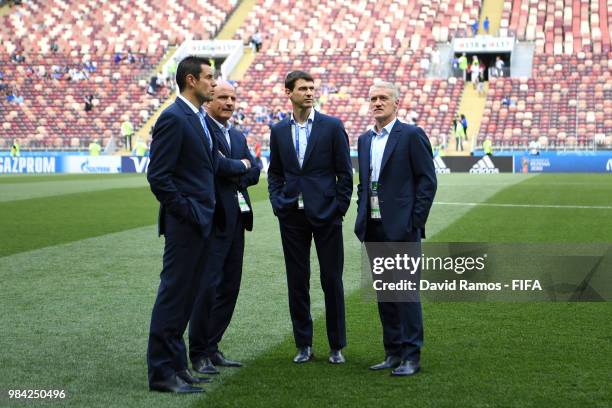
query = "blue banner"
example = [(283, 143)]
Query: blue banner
[(30, 164), (563, 164), (134, 164)]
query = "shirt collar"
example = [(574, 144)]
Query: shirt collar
[(386, 130), (309, 120), (229, 125), (191, 105)]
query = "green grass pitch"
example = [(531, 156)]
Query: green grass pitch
[(79, 266)]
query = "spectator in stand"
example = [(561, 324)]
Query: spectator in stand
[(435, 62), (459, 134), (118, 57), (475, 27), (17, 57), (474, 71), (140, 149), (412, 117), (94, 148), (464, 123), (455, 66), (89, 103), (463, 65), (486, 24), (534, 148), (256, 41), (130, 57), (487, 146), (280, 115), (260, 113), (127, 131), (499, 66), (172, 73), (152, 88), (54, 47), (15, 149), (480, 87)]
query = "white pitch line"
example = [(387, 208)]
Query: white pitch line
[(588, 207)]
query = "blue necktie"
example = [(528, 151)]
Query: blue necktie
[(227, 138), (202, 115)]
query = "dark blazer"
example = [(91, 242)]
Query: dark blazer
[(407, 182), (232, 176), (182, 167), (325, 179)]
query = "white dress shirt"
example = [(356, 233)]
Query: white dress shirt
[(201, 114), (377, 149), (300, 133)]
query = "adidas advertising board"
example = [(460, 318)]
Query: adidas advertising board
[(484, 166), (472, 164)]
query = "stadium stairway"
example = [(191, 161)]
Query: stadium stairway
[(5, 9), (492, 9), (227, 32), (145, 130), (472, 106)]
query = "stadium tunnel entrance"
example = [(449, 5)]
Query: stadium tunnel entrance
[(488, 59)]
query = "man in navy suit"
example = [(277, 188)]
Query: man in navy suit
[(215, 303), (181, 175), (397, 185), (310, 182)]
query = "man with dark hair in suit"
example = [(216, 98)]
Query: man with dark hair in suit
[(397, 185), (215, 303), (310, 182), (181, 176)]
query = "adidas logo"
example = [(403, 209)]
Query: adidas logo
[(440, 166), (484, 166), (609, 165)]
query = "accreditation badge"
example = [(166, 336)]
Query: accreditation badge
[(300, 202), (244, 207), (374, 205)]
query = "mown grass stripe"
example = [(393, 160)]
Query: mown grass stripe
[(475, 355), (36, 223), (52, 187)]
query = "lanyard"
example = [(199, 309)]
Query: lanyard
[(297, 137)]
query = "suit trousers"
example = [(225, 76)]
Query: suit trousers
[(402, 322), (217, 296), (296, 235), (183, 268)]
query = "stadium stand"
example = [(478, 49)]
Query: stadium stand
[(347, 46), (560, 27), (559, 113), (568, 101), (66, 34)]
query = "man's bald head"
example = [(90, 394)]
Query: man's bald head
[(223, 104)]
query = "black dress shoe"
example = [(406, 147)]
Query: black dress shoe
[(304, 355), (189, 378), (219, 359), (406, 368), (390, 362), (205, 366), (336, 357), (175, 385)]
